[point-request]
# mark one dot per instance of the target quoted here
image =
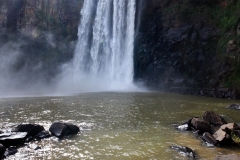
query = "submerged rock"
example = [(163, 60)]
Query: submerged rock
[(185, 151), (2, 151), (61, 129), (13, 138), (11, 151), (234, 106), (227, 157), (31, 129)]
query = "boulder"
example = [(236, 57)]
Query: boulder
[(12, 138), (207, 137), (213, 118), (234, 106), (227, 157), (185, 151), (61, 129), (2, 151), (201, 125), (31, 129), (223, 136)]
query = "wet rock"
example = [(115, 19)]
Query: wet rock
[(207, 137), (61, 129), (227, 157), (2, 151), (213, 118), (10, 151), (234, 106), (201, 125), (12, 138), (185, 151), (31, 129), (185, 126), (43, 134)]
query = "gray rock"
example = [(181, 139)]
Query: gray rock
[(61, 129), (185, 151), (234, 106)]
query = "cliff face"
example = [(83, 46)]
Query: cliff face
[(33, 16), (39, 36), (182, 47)]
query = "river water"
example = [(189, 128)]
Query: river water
[(115, 125)]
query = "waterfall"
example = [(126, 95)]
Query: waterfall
[(104, 52)]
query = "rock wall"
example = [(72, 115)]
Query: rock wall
[(39, 35), (33, 16), (179, 49)]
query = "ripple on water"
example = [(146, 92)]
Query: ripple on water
[(114, 125)]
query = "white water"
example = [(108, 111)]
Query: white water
[(103, 58)]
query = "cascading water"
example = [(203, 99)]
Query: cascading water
[(104, 52)]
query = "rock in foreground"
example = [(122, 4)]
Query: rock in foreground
[(61, 129), (12, 138)]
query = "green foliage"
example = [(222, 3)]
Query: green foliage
[(230, 16), (235, 138)]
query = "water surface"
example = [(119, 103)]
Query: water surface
[(115, 125)]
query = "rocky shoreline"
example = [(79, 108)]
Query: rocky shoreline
[(11, 140), (213, 130)]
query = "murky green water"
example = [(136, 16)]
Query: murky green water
[(115, 125)]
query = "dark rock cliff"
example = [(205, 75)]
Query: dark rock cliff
[(180, 47)]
